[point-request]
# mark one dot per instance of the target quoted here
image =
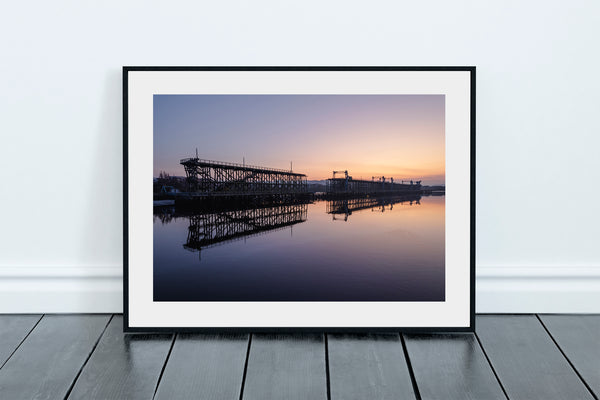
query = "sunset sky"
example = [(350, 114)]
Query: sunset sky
[(399, 136)]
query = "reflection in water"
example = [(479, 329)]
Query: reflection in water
[(396, 255), (211, 229), (347, 206)]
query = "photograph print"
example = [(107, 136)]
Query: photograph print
[(275, 199), (299, 197)]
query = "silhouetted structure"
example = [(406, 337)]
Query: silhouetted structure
[(377, 185), (206, 177)]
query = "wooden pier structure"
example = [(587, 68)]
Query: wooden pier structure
[(214, 178)]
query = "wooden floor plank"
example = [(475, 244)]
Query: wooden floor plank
[(451, 366), (46, 364), (368, 367), (123, 366), (579, 338), (13, 329), (286, 367), (205, 367), (526, 360)]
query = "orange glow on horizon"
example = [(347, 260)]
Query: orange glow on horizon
[(369, 136)]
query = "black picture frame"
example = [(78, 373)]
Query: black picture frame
[(321, 329)]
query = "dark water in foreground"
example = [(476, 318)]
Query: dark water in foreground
[(324, 251)]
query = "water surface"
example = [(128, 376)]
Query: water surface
[(324, 251)]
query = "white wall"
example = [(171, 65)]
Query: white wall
[(538, 127)]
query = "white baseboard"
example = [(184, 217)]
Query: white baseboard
[(499, 290), (568, 289), (49, 289)]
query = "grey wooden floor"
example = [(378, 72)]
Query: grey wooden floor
[(510, 356)]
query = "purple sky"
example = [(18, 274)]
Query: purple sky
[(400, 136)]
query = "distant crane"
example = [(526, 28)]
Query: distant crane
[(339, 172), (346, 178)]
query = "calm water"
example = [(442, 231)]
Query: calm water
[(324, 251)]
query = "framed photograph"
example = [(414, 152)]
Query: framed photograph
[(264, 199)]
